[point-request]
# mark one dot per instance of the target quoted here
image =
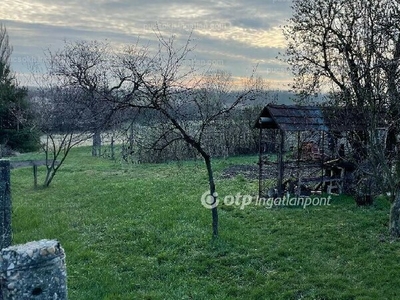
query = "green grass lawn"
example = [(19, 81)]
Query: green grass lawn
[(140, 232)]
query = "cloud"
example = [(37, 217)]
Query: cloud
[(237, 33), (253, 23)]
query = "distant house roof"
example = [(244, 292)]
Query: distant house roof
[(311, 118)]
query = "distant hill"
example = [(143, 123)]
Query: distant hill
[(278, 97), (282, 97), (275, 96)]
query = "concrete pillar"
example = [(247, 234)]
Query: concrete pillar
[(35, 270)]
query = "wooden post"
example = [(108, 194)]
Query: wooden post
[(280, 162), (299, 156), (5, 204), (322, 161), (35, 175), (260, 164)]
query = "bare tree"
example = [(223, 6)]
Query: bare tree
[(62, 120), (88, 66), (166, 83), (352, 50)]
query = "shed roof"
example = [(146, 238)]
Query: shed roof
[(292, 118), (314, 118)]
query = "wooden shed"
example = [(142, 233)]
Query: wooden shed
[(300, 148)]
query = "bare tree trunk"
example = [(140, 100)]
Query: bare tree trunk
[(394, 222), (96, 146), (53, 152), (131, 139), (112, 149), (214, 210), (49, 176), (49, 165)]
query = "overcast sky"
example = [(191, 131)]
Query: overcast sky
[(232, 35)]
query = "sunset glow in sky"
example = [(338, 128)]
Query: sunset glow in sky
[(230, 35)]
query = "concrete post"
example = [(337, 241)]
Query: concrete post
[(35, 270)]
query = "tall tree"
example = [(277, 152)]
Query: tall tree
[(352, 50), (5, 54), (16, 130)]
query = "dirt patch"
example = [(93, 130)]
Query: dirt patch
[(247, 171), (270, 171)]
